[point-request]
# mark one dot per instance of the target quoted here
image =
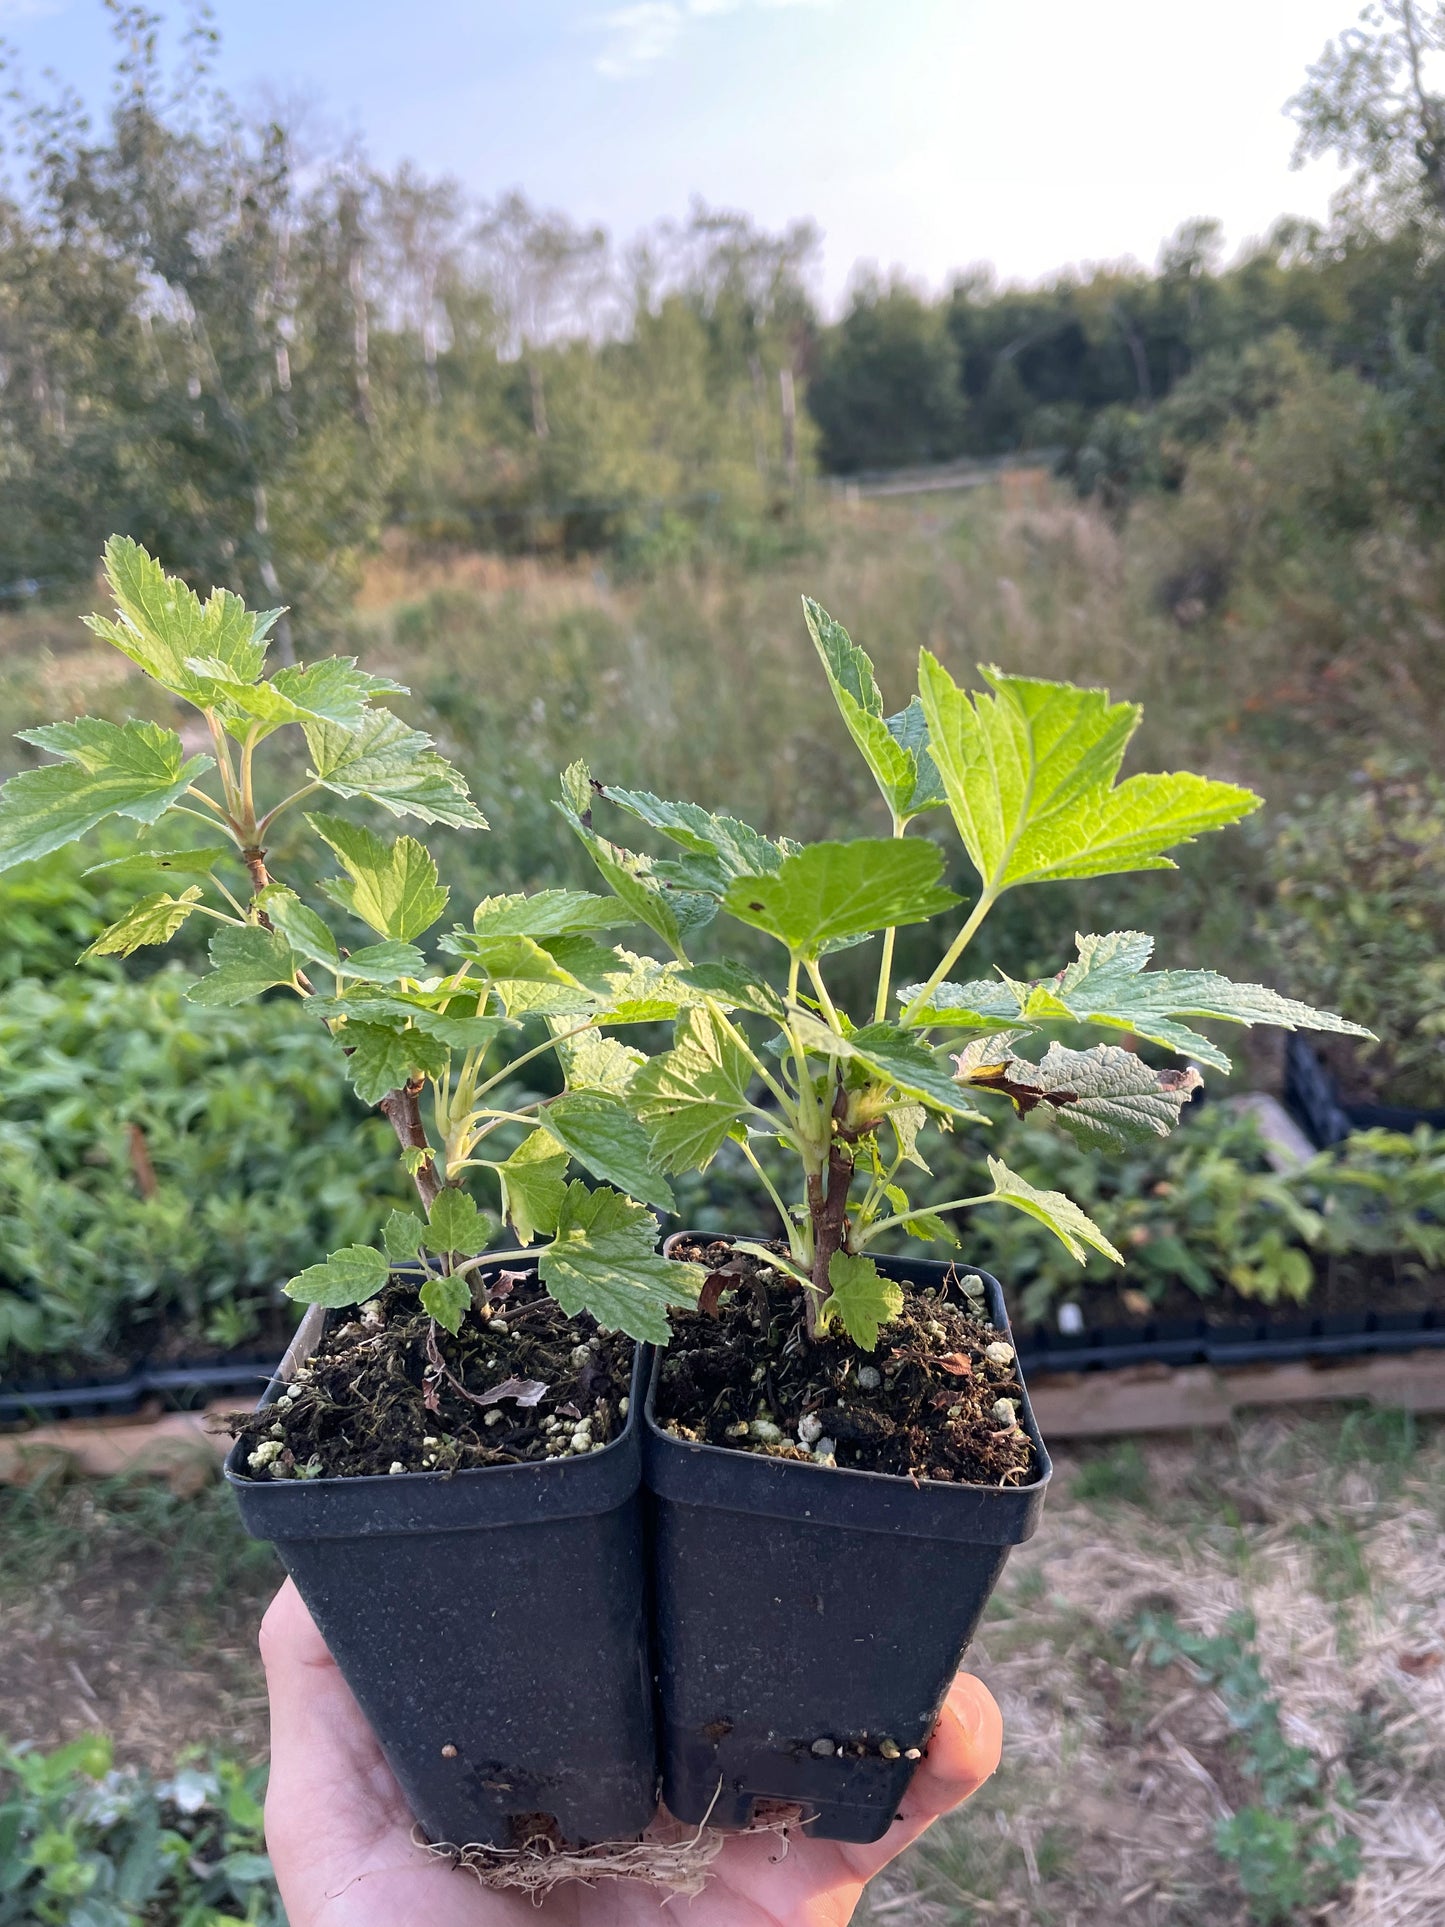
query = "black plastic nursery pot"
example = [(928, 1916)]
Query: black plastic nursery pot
[(801, 1607), (1312, 1093), (491, 1624)]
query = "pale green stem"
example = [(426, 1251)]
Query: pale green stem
[(537, 1050), (248, 798), (789, 1226), (224, 767), (816, 976), (298, 796), (923, 1211), (179, 809), (527, 1115), (489, 1258), (238, 922), (954, 951), (885, 975), (235, 902), (885, 962), (720, 1016), (779, 1264)]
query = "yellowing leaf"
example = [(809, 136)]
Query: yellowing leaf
[(153, 920), (1072, 1227)]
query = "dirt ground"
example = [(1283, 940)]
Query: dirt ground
[(130, 1609)]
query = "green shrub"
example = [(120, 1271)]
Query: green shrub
[(167, 1169), (84, 1844), (53, 908), (1359, 917)]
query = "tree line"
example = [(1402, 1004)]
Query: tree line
[(253, 357)]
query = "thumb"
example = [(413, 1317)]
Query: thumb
[(962, 1753)]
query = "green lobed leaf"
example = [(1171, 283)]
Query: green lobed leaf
[(829, 891), (603, 1260), (893, 1055), (670, 914), (403, 1236), (307, 935), (332, 691), (398, 1008), (348, 1277), (455, 1225), (243, 964), (394, 766), (735, 987), (861, 1299), (1107, 1098), (691, 1096), (509, 960), (1108, 984), (1072, 1227), (909, 728), (547, 913), (533, 1181), (894, 747), (593, 1062), (391, 887), (384, 963), (1030, 774), (382, 1059), (601, 1132), (105, 769), (447, 1300), (718, 848), (142, 865), (162, 622), (153, 920)]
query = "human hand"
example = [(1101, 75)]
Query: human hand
[(340, 1834)]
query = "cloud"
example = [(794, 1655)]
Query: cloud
[(650, 31)]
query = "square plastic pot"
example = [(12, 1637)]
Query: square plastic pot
[(491, 1623), (801, 1607)]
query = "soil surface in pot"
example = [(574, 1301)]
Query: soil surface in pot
[(927, 1404), (389, 1390)]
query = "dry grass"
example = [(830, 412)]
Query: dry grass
[(126, 1609), (1115, 1772)]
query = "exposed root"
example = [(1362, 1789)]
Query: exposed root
[(673, 1857)]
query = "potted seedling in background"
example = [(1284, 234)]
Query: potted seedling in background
[(448, 1460), (839, 1447)]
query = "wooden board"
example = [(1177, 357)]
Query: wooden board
[(1161, 1398)]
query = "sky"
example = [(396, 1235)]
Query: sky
[(921, 135)]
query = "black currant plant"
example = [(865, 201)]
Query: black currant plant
[(1028, 770), (433, 1042)]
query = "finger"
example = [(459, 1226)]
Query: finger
[(819, 1881), (962, 1753), (327, 1771)]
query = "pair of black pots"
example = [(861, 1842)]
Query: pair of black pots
[(551, 1639)]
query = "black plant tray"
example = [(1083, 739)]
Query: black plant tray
[(1313, 1096), (120, 1394), (1269, 1342)]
